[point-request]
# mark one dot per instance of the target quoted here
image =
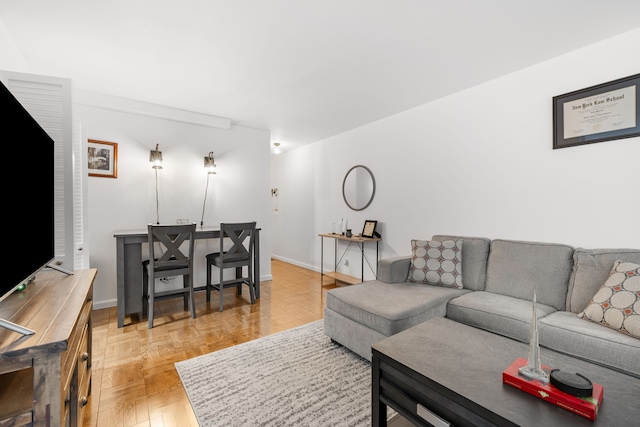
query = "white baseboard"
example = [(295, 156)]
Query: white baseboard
[(294, 262), (97, 305)]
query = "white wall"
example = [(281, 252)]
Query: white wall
[(478, 163), (294, 207), (11, 58), (238, 192)]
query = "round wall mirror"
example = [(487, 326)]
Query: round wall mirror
[(358, 187)]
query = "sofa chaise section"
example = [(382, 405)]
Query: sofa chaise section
[(359, 315), (381, 310)]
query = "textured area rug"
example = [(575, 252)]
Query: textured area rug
[(297, 377)]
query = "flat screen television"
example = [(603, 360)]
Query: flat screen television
[(28, 198)]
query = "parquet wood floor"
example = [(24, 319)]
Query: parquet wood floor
[(135, 383)]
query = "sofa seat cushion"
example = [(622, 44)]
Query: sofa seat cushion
[(389, 308), (500, 314), (565, 332), (516, 268)]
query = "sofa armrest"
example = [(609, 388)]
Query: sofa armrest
[(394, 269)]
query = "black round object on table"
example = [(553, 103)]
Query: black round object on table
[(573, 384)]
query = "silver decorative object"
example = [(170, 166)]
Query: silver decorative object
[(534, 370)]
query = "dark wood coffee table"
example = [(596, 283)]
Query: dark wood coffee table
[(453, 372)]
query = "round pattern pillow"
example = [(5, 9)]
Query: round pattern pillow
[(436, 263), (617, 302)]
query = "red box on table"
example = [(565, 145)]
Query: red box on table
[(585, 407)]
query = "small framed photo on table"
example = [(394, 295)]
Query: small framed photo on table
[(369, 228)]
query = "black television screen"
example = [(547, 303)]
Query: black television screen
[(28, 199)]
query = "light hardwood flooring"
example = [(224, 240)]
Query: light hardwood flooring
[(134, 380)]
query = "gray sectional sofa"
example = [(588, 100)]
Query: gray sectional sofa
[(499, 278)]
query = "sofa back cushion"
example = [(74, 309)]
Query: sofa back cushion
[(475, 251), (591, 268), (516, 268)]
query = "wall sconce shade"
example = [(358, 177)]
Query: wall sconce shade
[(155, 157), (276, 148), (210, 163)]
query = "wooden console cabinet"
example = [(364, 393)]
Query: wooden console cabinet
[(45, 378)]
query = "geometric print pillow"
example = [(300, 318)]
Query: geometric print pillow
[(617, 302), (436, 263)]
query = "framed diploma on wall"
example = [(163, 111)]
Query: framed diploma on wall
[(598, 113)]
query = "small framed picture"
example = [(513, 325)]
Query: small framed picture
[(369, 228), (102, 158)]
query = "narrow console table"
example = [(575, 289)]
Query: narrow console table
[(442, 373), (45, 378), (360, 242)]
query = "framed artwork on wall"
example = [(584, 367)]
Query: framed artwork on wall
[(369, 229), (102, 158), (598, 113)]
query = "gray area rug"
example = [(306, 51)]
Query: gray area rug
[(292, 378)]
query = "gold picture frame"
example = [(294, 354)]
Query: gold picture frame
[(102, 158)]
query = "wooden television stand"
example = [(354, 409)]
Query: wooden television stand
[(45, 378)]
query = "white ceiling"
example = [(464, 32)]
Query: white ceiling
[(303, 69)]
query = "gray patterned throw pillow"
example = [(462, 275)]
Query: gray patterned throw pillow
[(436, 263), (617, 302)]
